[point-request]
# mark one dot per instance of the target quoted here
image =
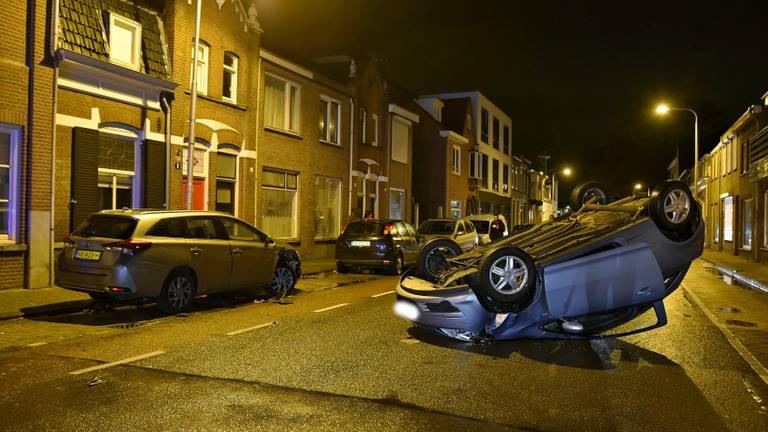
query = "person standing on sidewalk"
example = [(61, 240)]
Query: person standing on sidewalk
[(497, 228)]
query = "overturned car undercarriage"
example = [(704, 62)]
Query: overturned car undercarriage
[(578, 276)]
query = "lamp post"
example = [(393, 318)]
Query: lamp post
[(663, 109)]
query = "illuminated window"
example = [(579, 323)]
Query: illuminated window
[(746, 224), (401, 138), (281, 104), (279, 200), (9, 196), (330, 112), (327, 210), (728, 219), (124, 42)]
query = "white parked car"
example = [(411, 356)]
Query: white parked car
[(482, 224)]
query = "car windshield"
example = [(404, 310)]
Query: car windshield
[(481, 226), (437, 227), (107, 226), (365, 228)]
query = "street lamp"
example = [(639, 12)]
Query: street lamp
[(638, 186), (663, 109), (567, 172)]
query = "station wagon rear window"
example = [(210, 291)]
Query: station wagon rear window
[(107, 226), (372, 228)]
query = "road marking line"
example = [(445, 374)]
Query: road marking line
[(754, 363), (115, 363), (410, 341), (331, 307), (382, 294), (36, 344), (236, 332)]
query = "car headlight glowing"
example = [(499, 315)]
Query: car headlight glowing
[(406, 310)]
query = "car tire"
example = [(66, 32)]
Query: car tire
[(341, 268), (178, 292), (432, 257), (584, 192), (671, 205), (397, 265), (506, 281), (283, 281)]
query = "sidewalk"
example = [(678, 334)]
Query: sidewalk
[(741, 312), (16, 303)]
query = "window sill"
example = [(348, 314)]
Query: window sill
[(456, 173), (284, 132), (10, 246), (330, 143), (218, 101)]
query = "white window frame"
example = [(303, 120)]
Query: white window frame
[(338, 209), (202, 77), (136, 48), (456, 160), (294, 204), (287, 110), (13, 186), (375, 139), (233, 71), (328, 109), (475, 160), (728, 218), (409, 125)]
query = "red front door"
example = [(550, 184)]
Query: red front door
[(198, 194)]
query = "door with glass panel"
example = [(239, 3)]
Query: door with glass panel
[(226, 181)]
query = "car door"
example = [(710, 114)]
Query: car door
[(253, 258), (462, 237), (408, 242), (209, 253)]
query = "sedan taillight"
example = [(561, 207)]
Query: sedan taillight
[(128, 247)]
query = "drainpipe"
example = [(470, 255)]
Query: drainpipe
[(351, 146), (55, 63), (165, 97)]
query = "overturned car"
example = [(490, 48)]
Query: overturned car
[(578, 276)]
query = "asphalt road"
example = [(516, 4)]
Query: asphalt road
[(339, 359)]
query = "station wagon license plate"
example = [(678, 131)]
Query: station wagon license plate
[(88, 255), (360, 243)]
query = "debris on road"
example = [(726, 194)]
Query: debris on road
[(95, 381)]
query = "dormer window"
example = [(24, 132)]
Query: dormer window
[(124, 42)]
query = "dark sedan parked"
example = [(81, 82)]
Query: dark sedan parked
[(381, 244)]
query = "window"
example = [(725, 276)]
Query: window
[(401, 137), (116, 171), (484, 125), (9, 199), (239, 231), (457, 160), (281, 104), (716, 219), (171, 227), (226, 182), (505, 179), (204, 228), (375, 124), (229, 79), (484, 170), (363, 118), (396, 203), (734, 155), (279, 200), (495, 133), (728, 218), (124, 42), (505, 141), (202, 68), (474, 164), (330, 112), (746, 224), (327, 200), (495, 174)]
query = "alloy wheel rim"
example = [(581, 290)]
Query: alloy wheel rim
[(282, 281), (508, 275), (677, 205), (591, 193), (179, 292)]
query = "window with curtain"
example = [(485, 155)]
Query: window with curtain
[(8, 182), (327, 198), (330, 112), (746, 224), (728, 218), (281, 104), (279, 203), (401, 137)]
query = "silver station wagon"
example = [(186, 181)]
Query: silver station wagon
[(173, 256)]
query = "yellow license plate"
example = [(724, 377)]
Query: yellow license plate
[(360, 243), (88, 255)]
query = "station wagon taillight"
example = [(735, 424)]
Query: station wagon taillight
[(128, 247), (68, 242), (388, 229)]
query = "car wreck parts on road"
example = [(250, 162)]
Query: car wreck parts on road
[(579, 276)]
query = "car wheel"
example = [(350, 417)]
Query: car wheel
[(397, 265), (283, 281), (507, 280), (341, 268), (178, 292), (432, 257), (671, 206), (582, 193)]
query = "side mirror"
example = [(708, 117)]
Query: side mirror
[(268, 240)]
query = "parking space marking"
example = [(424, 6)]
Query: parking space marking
[(331, 307), (116, 363), (382, 294), (36, 344), (260, 326)]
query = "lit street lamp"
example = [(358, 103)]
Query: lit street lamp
[(663, 109), (567, 172), (638, 186)]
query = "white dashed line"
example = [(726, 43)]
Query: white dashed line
[(115, 363), (410, 341), (36, 344), (382, 294), (331, 307), (236, 332)]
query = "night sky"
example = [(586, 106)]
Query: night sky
[(580, 79)]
